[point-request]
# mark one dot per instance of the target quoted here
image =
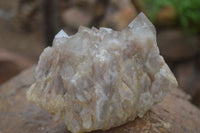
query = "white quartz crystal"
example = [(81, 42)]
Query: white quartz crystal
[(61, 34), (98, 79)]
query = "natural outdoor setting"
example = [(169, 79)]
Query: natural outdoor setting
[(100, 66)]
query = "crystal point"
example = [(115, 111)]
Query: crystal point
[(141, 21), (100, 78), (61, 34)]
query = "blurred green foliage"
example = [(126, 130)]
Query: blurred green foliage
[(188, 12)]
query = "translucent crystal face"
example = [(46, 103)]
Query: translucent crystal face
[(101, 78)]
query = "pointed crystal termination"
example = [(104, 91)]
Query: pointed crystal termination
[(60, 38), (61, 34), (141, 21), (99, 79)]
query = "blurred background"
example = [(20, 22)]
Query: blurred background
[(28, 26)]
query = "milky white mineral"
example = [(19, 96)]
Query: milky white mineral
[(100, 78)]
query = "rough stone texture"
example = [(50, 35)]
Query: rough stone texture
[(98, 79), (173, 115)]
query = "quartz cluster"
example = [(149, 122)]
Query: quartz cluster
[(100, 78)]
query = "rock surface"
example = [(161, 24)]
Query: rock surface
[(98, 79), (174, 114)]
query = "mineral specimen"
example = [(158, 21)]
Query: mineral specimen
[(101, 78)]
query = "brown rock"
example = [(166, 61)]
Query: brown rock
[(11, 64), (174, 114)]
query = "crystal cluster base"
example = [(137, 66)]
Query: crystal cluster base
[(100, 78)]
